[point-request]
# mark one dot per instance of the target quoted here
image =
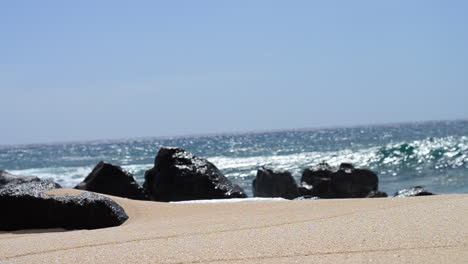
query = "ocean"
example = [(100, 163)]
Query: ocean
[(429, 154)]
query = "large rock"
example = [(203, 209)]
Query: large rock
[(9, 180), (113, 180), (26, 206), (268, 183), (178, 175), (413, 191), (344, 182)]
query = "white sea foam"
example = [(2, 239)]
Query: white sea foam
[(65, 176), (294, 163), (424, 152), (137, 168), (234, 200), (423, 158)]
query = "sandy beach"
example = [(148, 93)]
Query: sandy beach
[(431, 229)]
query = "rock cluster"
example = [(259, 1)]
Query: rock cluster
[(322, 181), (342, 182), (177, 175)]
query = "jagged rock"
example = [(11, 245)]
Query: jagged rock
[(178, 175), (344, 182), (413, 191), (9, 180), (268, 183), (25, 206), (113, 180)]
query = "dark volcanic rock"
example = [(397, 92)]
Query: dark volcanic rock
[(25, 206), (178, 175), (113, 180), (349, 182), (413, 191), (317, 181), (274, 184), (345, 182), (9, 180)]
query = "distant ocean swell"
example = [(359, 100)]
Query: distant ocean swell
[(440, 164)]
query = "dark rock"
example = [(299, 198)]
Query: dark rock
[(25, 206), (344, 182), (377, 194), (413, 191), (349, 182), (274, 184), (9, 180), (317, 181), (113, 180), (178, 175)]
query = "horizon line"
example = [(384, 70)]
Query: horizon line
[(234, 133)]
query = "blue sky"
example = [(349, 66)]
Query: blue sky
[(79, 70)]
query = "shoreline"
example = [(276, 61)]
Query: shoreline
[(429, 229)]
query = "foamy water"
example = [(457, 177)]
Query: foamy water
[(433, 154)]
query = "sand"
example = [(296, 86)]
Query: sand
[(431, 229)]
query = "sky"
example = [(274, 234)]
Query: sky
[(87, 70)]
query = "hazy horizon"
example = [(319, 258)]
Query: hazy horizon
[(86, 71), (229, 133)]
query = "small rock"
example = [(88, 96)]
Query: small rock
[(8, 180), (377, 194), (113, 180), (268, 183), (413, 191)]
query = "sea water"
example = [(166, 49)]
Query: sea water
[(429, 154)]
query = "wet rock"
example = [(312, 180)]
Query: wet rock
[(268, 183), (413, 191), (178, 175), (344, 182), (10, 180), (113, 180), (25, 206)]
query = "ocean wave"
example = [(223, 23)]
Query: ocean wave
[(440, 162), (65, 176), (138, 171), (437, 152), (433, 153), (71, 176)]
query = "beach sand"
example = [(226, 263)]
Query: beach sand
[(430, 229)]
